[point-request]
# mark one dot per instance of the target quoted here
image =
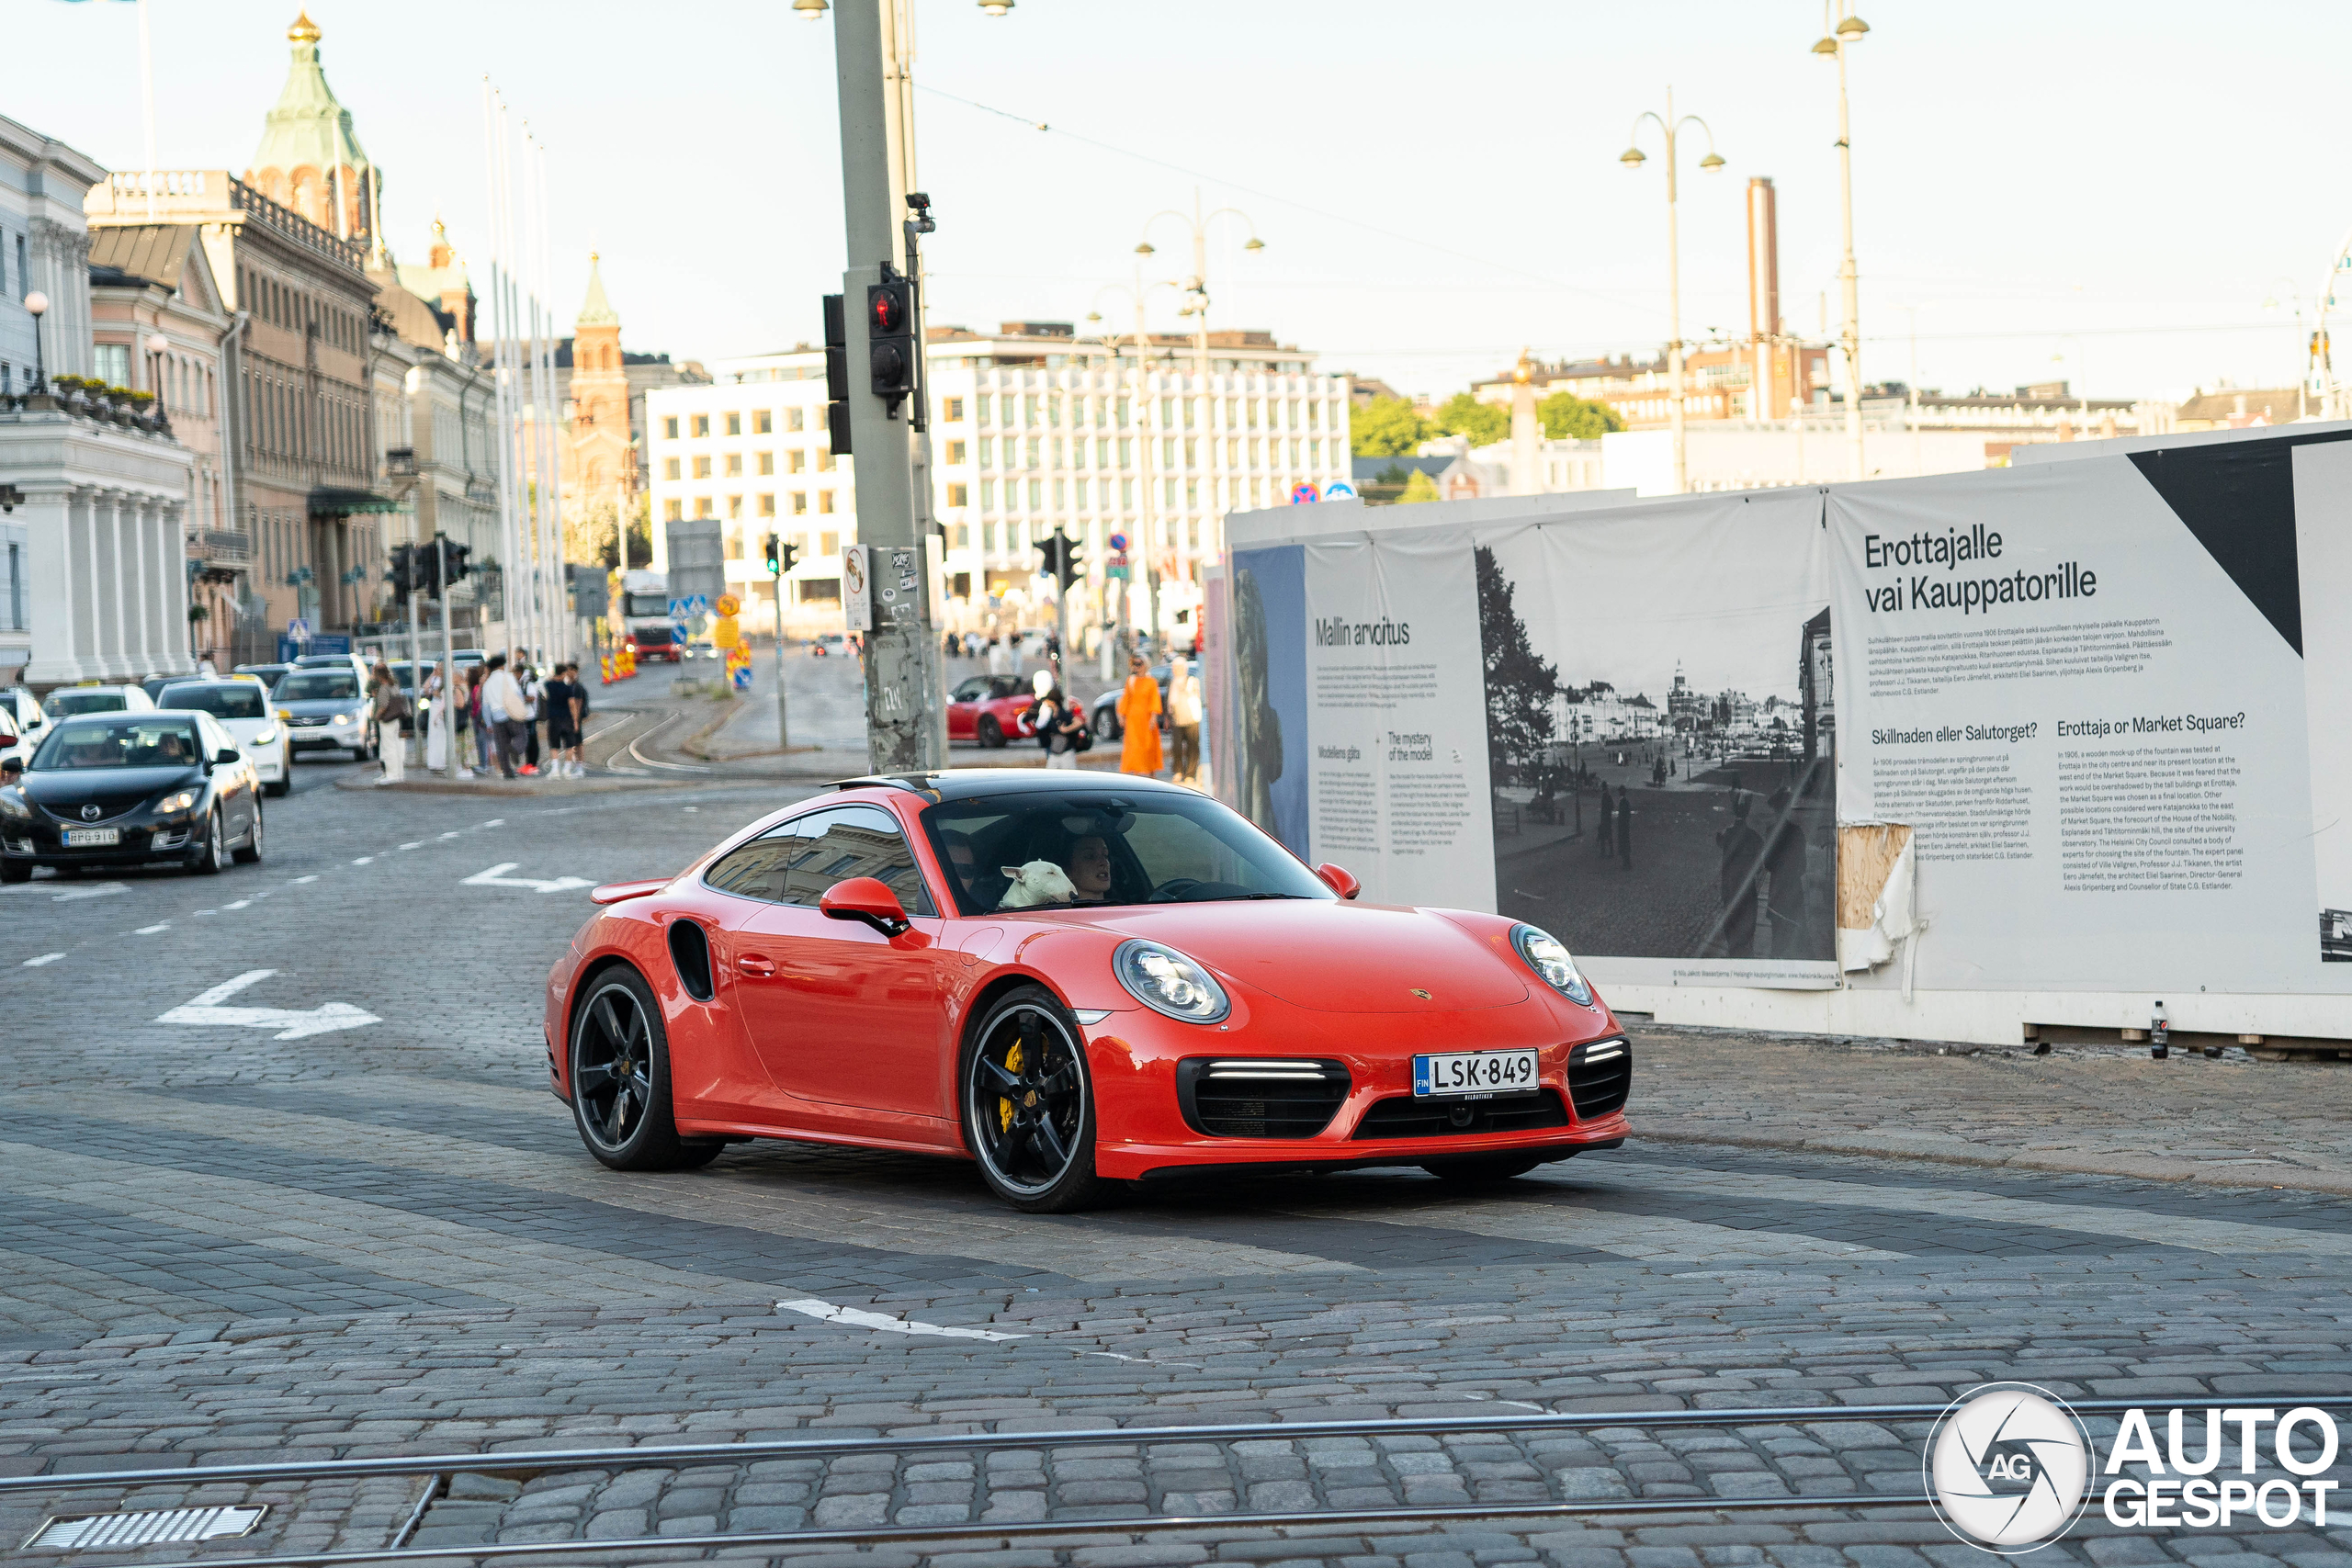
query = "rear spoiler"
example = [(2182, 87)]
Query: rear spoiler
[(619, 892)]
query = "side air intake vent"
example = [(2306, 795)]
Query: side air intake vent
[(1281, 1097), (1600, 1075), (690, 951)]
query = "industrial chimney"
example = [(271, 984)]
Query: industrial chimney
[(1763, 294)]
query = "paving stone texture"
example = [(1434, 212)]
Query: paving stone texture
[(217, 1246)]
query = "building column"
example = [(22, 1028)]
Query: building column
[(54, 609), (81, 529), (172, 655), (139, 593)]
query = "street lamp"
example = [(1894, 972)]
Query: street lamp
[(157, 347), (36, 306), (1849, 30), (1713, 163)]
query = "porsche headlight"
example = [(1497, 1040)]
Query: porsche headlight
[(1548, 958), (12, 805), (1167, 982), (178, 800)]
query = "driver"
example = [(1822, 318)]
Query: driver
[(1088, 866), (94, 749), (170, 748)]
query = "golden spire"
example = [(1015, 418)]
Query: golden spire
[(304, 30), (1521, 372)]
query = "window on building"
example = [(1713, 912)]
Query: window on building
[(1037, 495), (767, 506), (702, 467), (955, 452), (1061, 495), (673, 510), (980, 409), (734, 506), (1082, 495), (824, 500), (702, 425), (1128, 494), (954, 411), (734, 465), (1029, 410), (962, 535), (987, 538), (988, 495), (829, 543), (113, 363), (1314, 416), (988, 451), (799, 502), (734, 425), (1123, 413), (669, 468), (702, 507), (1058, 452), (824, 459), (959, 495), (795, 419), (734, 545), (764, 422), (1032, 452), (767, 464)]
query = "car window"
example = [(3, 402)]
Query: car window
[(971, 690), (755, 869), (231, 699), (1154, 848), (314, 685), (1005, 686), (63, 703), (854, 840), (170, 742)]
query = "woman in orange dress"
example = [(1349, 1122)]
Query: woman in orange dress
[(1139, 713)]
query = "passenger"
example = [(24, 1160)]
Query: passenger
[(1089, 865)]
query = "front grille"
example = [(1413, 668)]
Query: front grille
[(1287, 1096), (1600, 1075), (1406, 1117)]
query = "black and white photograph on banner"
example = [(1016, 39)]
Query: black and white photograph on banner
[(1662, 759)]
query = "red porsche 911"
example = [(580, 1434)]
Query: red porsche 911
[(1076, 982)]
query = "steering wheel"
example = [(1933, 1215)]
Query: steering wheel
[(1175, 887)]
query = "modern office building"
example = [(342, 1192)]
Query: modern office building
[(1033, 428)]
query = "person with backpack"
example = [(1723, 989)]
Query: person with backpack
[(387, 708)]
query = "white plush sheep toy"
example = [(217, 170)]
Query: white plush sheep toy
[(1039, 882)]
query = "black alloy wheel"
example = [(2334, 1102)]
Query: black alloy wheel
[(215, 853), (250, 853), (1480, 1170), (1028, 1106), (620, 1080), (14, 871), (990, 732)]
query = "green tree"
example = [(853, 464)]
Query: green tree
[(1386, 427), (1483, 423), (1568, 417), (1519, 683), (1420, 487)]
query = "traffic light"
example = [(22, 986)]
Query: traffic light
[(775, 565), (1062, 561), (458, 566), (424, 569), (784, 561), (890, 339), (837, 374), (402, 573)]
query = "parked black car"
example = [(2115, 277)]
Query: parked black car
[(129, 789)]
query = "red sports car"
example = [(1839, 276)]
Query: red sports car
[(991, 709), (1076, 981)]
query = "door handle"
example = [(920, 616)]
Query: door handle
[(758, 965)]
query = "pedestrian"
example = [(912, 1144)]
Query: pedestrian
[(565, 702), (436, 715), (1139, 714), (504, 708), (526, 675), (386, 709), (1624, 828), (1183, 724), (999, 657), (1604, 832), (485, 732), (1741, 847), (1050, 717)]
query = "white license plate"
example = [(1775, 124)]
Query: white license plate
[(92, 838), (1474, 1074)]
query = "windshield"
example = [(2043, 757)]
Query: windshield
[(646, 604), (316, 685), (1094, 847), (651, 634), (231, 699), (158, 741), (84, 702)]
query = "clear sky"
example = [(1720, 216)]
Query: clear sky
[(2104, 192)]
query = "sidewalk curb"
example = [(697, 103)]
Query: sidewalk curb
[(2140, 1167), (504, 788)]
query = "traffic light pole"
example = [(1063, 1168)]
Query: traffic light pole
[(415, 748), (906, 728), (450, 764), (783, 721)]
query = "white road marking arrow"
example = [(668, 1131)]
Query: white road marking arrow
[(496, 877), (324, 1019)]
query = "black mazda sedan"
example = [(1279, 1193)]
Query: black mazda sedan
[(128, 789)]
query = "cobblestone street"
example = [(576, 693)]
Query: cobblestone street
[(222, 1244)]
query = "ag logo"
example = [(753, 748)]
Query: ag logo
[(2006, 1466)]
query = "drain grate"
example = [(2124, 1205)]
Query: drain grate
[(152, 1526)]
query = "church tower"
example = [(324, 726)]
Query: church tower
[(310, 159), (600, 455)]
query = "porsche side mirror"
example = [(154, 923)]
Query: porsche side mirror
[(1338, 880), (868, 900)]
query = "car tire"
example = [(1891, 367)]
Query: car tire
[(620, 1079), (1106, 724), (1474, 1170), (275, 789), (1037, 1156), (250, 855), (14, 871), (215, 853), (990, 733)]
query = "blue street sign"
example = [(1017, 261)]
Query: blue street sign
[(1118, 541), (1302, 491), (1338, 490)]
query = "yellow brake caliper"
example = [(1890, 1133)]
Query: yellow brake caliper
[(1004, 1106)]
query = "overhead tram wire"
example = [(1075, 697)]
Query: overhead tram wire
[(1324, 213)]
